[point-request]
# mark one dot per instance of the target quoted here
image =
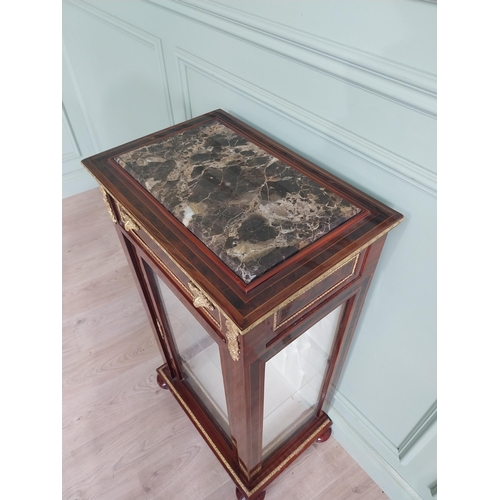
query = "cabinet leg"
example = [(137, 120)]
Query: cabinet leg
[(325, 436), (241, 496), (161, 382)]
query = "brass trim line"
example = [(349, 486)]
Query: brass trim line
[(319, 297), (160, 329), (216, 450)]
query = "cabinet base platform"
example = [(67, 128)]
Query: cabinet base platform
[(282, 458)]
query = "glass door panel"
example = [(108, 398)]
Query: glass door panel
[(199, 355), (293, 381)]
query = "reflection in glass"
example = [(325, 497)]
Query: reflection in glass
[(293, 381), (200, 357)]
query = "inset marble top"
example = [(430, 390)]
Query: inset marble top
[(248, 207)]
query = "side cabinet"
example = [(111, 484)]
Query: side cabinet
[(253, 265)]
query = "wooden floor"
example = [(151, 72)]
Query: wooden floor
[(123, 437)]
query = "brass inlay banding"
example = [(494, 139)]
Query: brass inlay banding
[(257, 470), (319, 297), (160, 329), (243, 469), (216, 450)]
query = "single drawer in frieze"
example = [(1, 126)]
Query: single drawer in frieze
[(301, 302), (175, 273), (199, 298)]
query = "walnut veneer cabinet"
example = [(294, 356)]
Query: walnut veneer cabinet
[(253, 265)]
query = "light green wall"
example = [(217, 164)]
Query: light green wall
[(349, 84)]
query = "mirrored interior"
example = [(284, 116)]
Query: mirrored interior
[(293, 381), (199, 353)]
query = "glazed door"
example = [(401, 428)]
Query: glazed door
[(293, 381), (195, 354)]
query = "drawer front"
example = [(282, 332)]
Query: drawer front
[(208, 309), (311, 297)]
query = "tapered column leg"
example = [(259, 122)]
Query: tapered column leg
[(241, 496)]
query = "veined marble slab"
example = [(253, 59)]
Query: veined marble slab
[(248, 207)]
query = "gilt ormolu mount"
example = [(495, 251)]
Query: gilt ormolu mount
[(253, 265)]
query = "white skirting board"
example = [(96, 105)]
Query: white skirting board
[(393, 485)]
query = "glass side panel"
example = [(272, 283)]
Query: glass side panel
[(293, 381), (199, 354)]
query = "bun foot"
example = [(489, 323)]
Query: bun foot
[(161, 382), (325, 436), (241, 496)]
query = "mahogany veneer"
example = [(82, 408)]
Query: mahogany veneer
[(265, 261)]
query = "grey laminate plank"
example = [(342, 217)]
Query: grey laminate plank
[(355, 484)]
